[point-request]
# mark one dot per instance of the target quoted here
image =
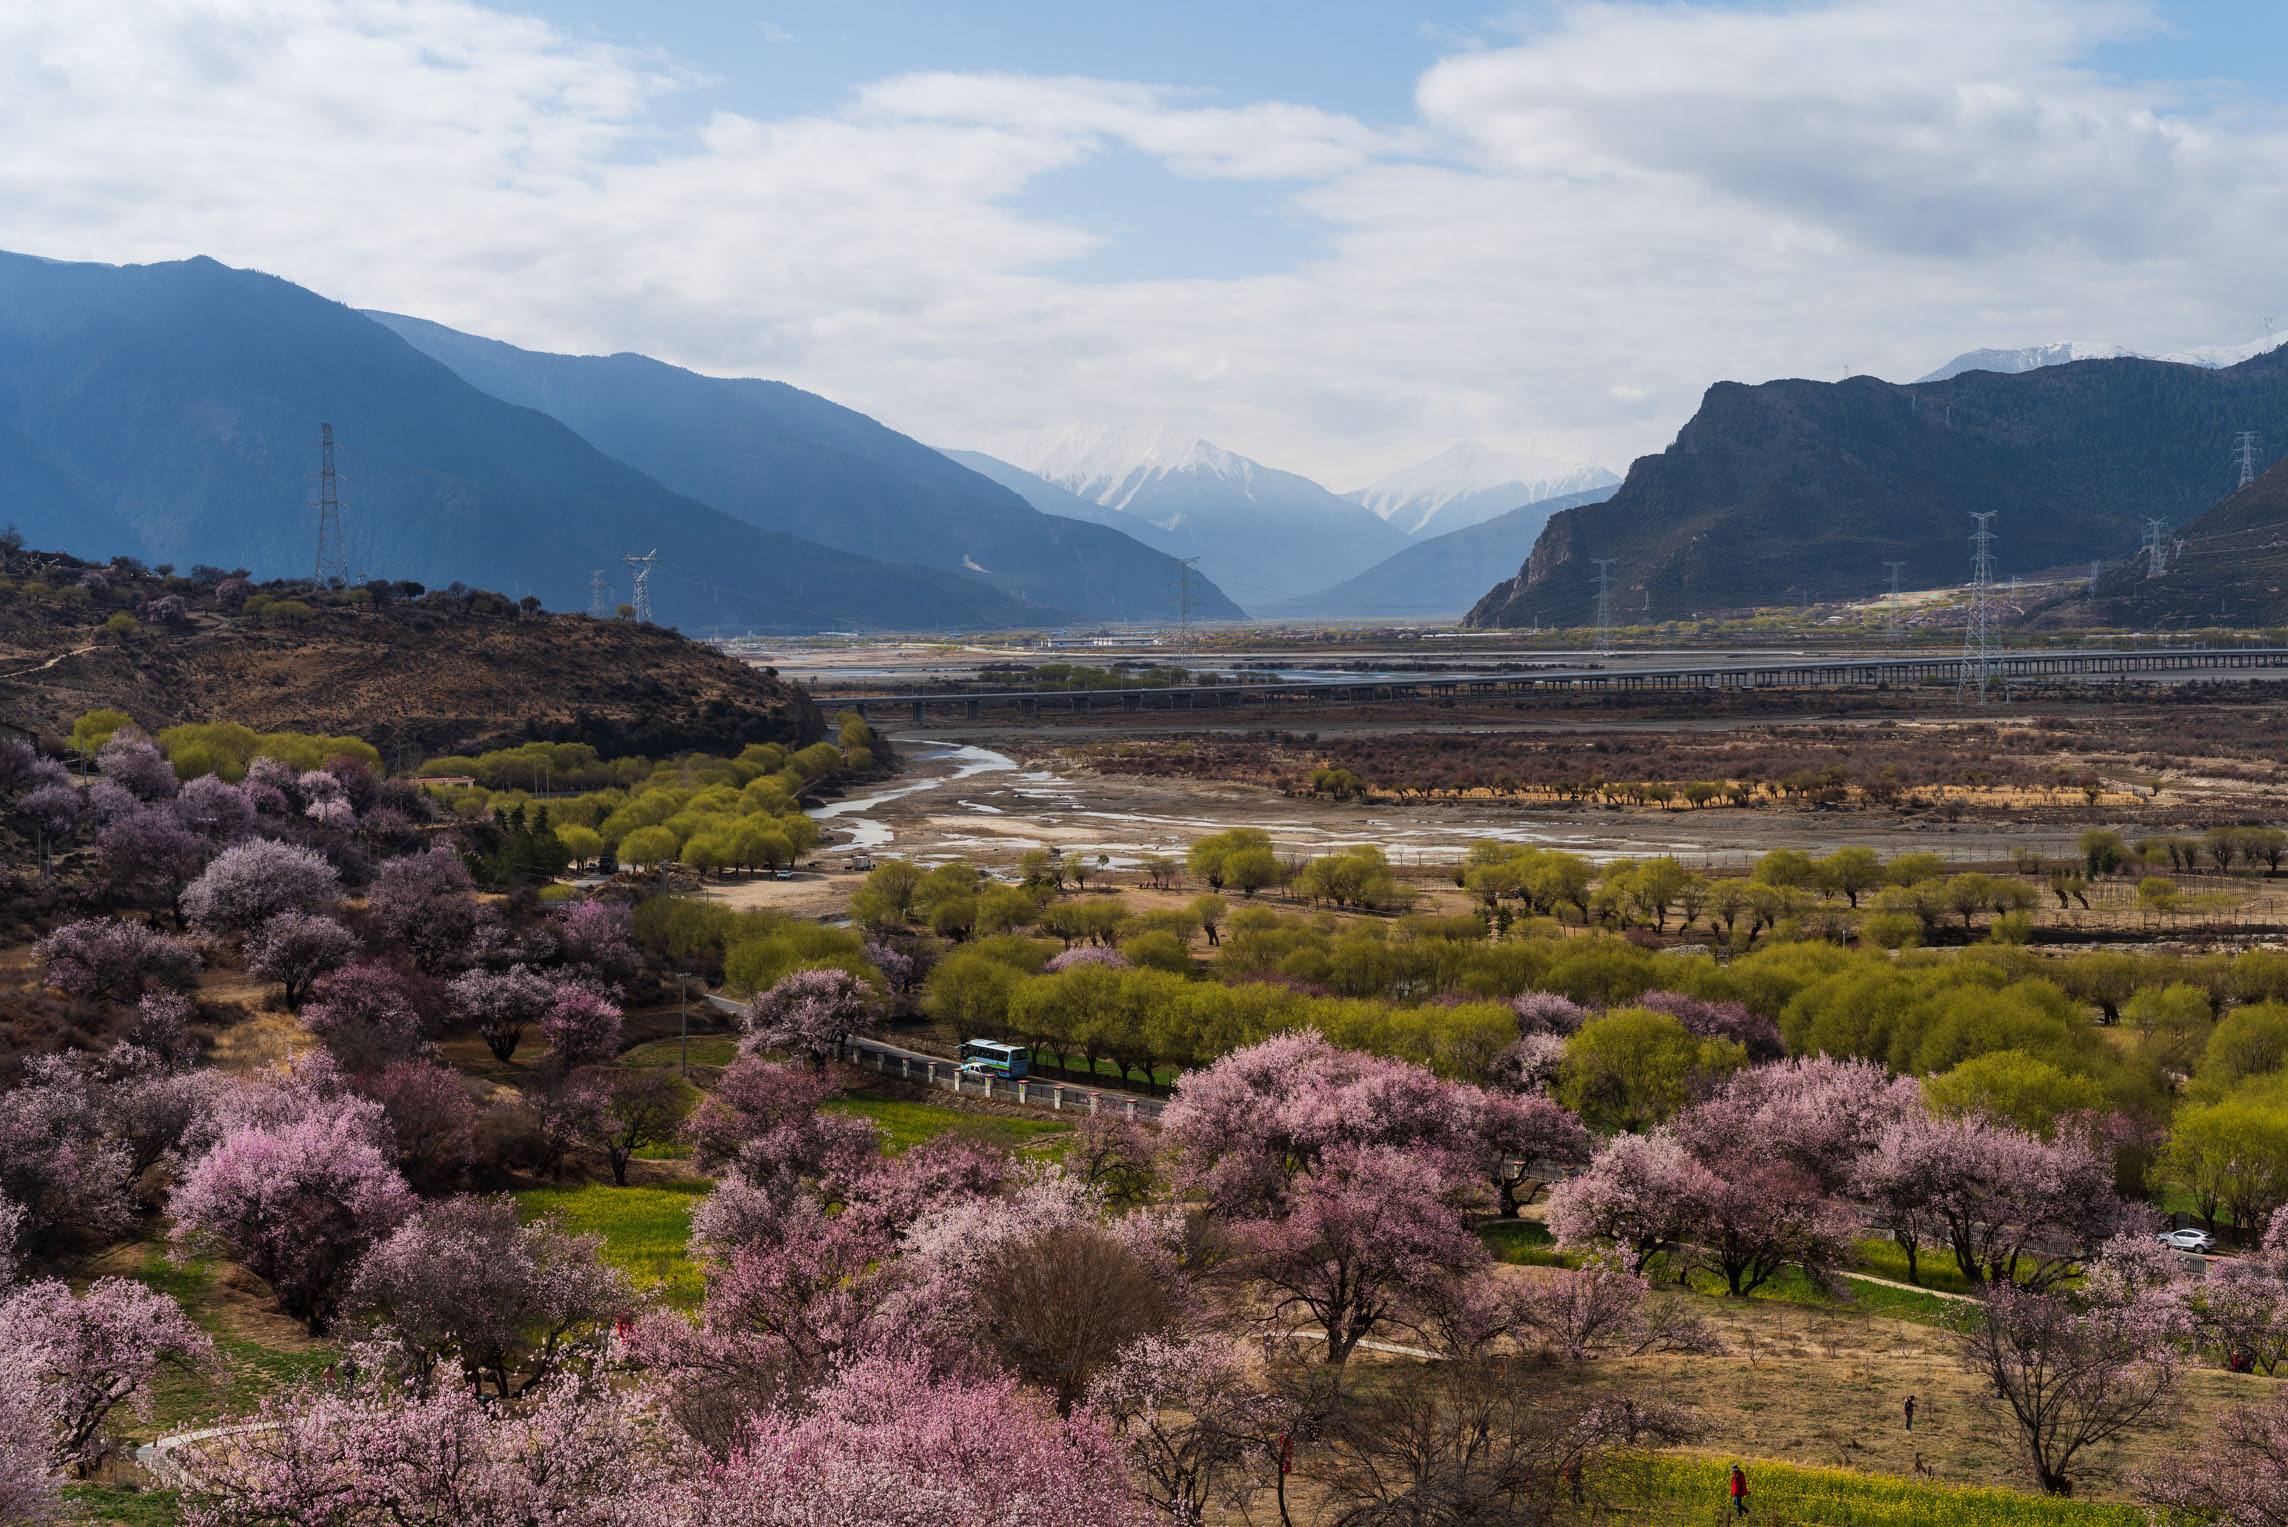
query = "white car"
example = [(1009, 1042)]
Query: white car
[(2187, 1240)]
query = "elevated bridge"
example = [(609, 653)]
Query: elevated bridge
[(2007, 668)]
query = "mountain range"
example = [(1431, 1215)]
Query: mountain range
[(1799, 490), (1437, 576), (1260, 532), (2066, 351), (787, 460), (171, 412), (1468, 484)]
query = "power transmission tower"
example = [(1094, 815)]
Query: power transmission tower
[(599, 597), (1977, 632), (1184, 566), (333, 561), (1894, 620), (2156, 553), (2244, 453), (642, 596), (1604, 642)]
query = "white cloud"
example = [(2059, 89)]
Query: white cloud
[(1586, 224)]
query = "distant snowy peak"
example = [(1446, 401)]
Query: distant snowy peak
[(1470, 483), (1260, 533), (1111, 463), (2029, 358), (2034, 357), (2217, 357)]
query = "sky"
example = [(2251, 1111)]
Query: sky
[(1336, 236)]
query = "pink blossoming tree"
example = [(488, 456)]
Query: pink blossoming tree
[(295, 949), (102, 957), (251, 883), (810, 1013), (297, 1204), (571, 1454), (1370, 1235), (889, 1444), (463, 1288), (91, 1354)]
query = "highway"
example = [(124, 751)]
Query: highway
[(2006, 669)]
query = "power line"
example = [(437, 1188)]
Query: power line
[(333, 561), (642, 568), (599, 597), (1604, 642), (1977, 633)]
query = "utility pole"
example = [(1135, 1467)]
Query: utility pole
[(1604, 642), (2244, 454), (1894, 620), (642, 596), (599, 597), (1977, 635), (333, 562), (683, 1018), (2156, 552)]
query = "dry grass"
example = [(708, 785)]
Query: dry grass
[(1826, 1389)]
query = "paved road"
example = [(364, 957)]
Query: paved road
[(1047, 1095)]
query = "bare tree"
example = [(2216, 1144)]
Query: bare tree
[(1061, 1307), (1473, 1439), (2070, 1374)]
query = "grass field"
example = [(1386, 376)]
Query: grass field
[(1685, 1489), (712, 1050), (257, 1351), (907, 1122), (127, 1508), (646, 1230), (1880, 1256), (1526, 1243)]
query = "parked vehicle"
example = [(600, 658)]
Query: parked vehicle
[(2187, 1240)]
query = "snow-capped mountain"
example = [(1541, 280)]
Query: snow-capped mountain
[(1469, 484), (1259, 532), (2028, 358), (2033, 357), (2217, 357)]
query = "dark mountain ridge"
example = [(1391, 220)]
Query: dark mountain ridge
[(1797, 490)]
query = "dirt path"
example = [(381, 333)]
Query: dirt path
[(50, 663)]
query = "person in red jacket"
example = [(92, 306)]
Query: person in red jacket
[(1739, 1491)]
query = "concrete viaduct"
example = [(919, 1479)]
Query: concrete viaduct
[(1806, 673)]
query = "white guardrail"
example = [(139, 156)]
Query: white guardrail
[(937, 1071), (1027, 1092)]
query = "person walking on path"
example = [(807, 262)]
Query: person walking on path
[(1739, 1491), (1910, 1412)]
